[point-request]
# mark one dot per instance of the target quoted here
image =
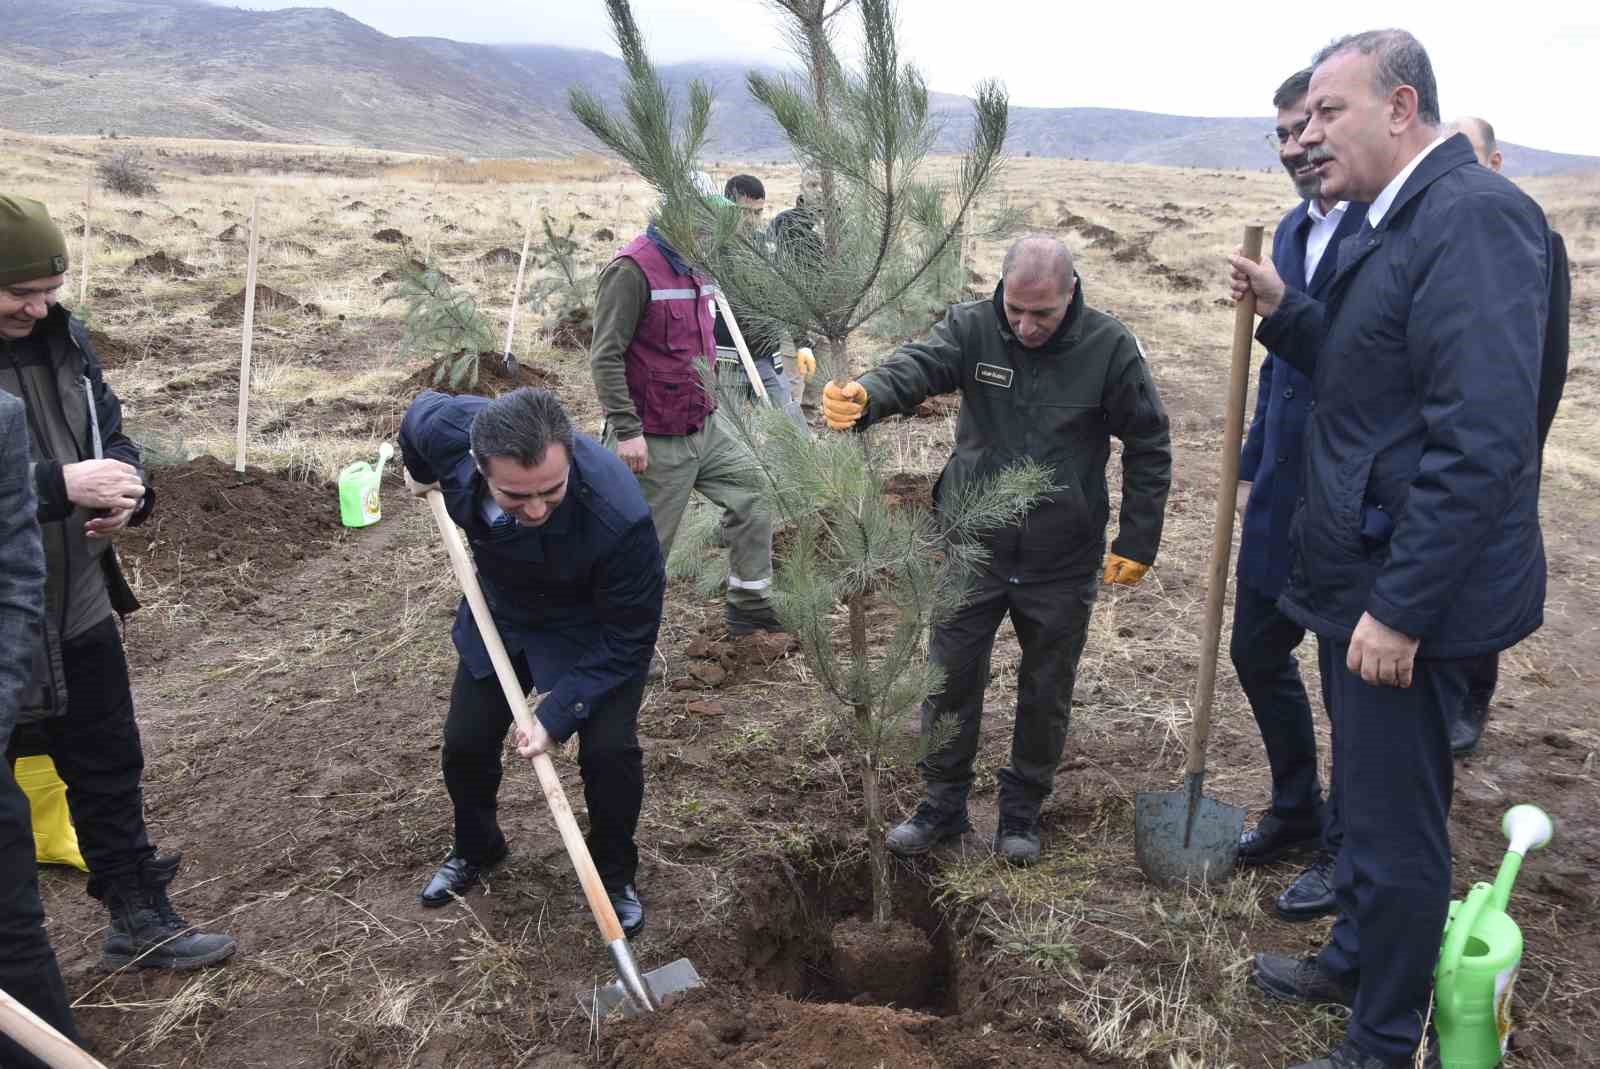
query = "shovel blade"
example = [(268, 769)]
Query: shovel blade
[(1185, 837), (670, 979)]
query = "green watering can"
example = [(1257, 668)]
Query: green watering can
[(358, 490), (1482, 949)]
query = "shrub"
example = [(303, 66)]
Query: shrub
[(127, 173)]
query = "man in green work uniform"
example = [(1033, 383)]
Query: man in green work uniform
[(654, 336), (1043, 377)]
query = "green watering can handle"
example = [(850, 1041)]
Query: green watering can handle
[(1455, 942)]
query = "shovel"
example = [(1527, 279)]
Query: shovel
[(1183, 836), (35, 1036), (632, 992)]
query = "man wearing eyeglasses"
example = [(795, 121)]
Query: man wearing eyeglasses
[(1264, 639)]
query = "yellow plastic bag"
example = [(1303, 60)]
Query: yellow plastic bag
[(55, 841)]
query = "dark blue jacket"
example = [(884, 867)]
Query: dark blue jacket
[(1422, 457), (1274, 449), (578, 597)]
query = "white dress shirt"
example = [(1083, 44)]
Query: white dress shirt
[(1322, 229), (1380, 204)]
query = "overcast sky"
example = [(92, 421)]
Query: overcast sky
[(1532, 68)]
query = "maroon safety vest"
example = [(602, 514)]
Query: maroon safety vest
[(674, 338)]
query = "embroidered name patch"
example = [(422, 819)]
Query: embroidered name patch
[(993, 375)]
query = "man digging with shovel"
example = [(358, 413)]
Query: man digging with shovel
[(570, 565)]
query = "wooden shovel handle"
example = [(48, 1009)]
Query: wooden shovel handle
[(605, 916), (1244, 328), (36, 1036), (742, 349)]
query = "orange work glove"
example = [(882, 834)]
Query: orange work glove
[(843, 405), (1124, 572), (806, 361)]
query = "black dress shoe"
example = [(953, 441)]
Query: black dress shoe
[(1273, 838), (630, 911), (1310, 895), (1299, 980), (455, 878)]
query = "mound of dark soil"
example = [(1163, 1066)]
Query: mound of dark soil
[(500, 256), (605, 233), (492, 379), (109, 350), (268, 300), (234, 234), (1138, 253), (159, 263), (222, 538), (574, 330), (121, 240), (390, 236), (714, 1027), (412, 267), (356, 206)]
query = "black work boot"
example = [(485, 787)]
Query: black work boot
[(927, 828), (1300, 980), (147, 932), (1016, 841), (745, 621)]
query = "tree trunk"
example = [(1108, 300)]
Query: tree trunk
[(877, 849)]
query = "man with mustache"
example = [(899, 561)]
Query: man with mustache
[(1417, 546), (1264, 639), (1043, 377)]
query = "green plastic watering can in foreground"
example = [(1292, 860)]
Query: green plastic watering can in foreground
[(358, 490), (1482, 950)]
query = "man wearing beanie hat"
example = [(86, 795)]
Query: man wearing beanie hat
[(78, 705)]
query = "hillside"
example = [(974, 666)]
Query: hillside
[(182, 68)]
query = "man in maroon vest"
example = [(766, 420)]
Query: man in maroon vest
[(654, 336)]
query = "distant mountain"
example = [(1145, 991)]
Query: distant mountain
[(184, 68)]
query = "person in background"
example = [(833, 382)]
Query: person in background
[(1466, 726), (1305, 250)]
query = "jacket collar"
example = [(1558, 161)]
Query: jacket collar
[(1062, 339), (679, 264), (1455, 153)]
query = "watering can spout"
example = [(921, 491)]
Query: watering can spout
[(1527, 827)]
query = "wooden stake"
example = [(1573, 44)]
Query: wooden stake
[(249, 332), (744, 351), (83, 276), (516, 292)]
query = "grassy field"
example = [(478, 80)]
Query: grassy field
[(292, 684)]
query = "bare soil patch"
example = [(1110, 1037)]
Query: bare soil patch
[(159, 263), (268, 301), (225, 537)]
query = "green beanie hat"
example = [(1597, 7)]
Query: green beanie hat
[(31, 246)]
